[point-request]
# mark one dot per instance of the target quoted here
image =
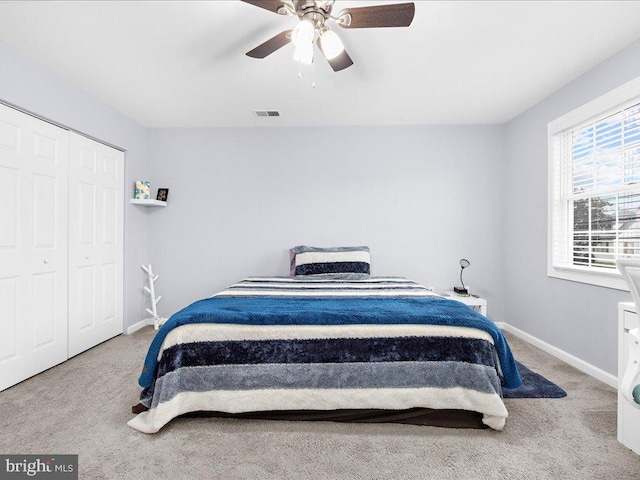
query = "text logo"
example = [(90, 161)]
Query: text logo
[(50, 467)]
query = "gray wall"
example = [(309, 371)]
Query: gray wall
[(578, 318), (32, 87), (420, 197)]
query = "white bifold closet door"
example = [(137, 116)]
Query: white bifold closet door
[(61, 244), (33, 245), (95, 243)]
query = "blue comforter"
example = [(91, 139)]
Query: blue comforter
[(332, 311)]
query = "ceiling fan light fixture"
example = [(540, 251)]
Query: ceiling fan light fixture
[(330, 44), (302, 37), (313, 15), (303, 33)]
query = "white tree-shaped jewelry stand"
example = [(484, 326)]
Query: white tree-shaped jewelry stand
[(156, 319)]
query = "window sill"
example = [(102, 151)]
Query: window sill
[(613, 280)]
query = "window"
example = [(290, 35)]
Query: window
[(594, 188)]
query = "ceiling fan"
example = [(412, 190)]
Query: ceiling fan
[(314, 14)]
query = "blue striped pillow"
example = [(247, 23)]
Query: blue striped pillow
[(318, 261)]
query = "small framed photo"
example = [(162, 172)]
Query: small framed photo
[(163, 193)]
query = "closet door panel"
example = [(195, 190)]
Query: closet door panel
[(44, 211), (96, 249), (13, 328), (48, 226), (44, 310), (86, 297), (33, 245), (110, 297), (111, 165), (13, 251), (10, 201)]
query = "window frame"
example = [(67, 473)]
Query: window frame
[(603, 106)]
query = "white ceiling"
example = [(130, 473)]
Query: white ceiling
[(183, 64)]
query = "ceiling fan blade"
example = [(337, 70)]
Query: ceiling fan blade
[(271, 5), (394, 15), (339, 62), (271, 45)]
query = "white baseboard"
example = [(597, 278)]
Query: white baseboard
[(143, 323), (137, 326), (572, 360)]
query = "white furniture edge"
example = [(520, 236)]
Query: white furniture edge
[(628, 417), (469, 300), (572, 360), (466, 298), (148, 202)]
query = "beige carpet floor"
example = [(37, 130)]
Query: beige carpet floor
[(82, 407)]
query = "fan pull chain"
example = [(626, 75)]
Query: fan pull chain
[(313, 73)]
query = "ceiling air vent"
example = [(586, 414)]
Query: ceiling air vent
[(266, 113)]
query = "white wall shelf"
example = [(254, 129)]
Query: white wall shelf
[(148, 202)]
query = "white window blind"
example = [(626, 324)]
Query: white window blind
[(595, 192)]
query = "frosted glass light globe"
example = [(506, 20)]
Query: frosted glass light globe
[(303, 33), (331, 44)]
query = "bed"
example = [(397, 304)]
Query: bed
[(338, 342)]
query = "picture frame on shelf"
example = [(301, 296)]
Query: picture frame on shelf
[(142, 190), (163, 193)]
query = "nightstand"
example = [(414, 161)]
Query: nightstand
[(478, 304)]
